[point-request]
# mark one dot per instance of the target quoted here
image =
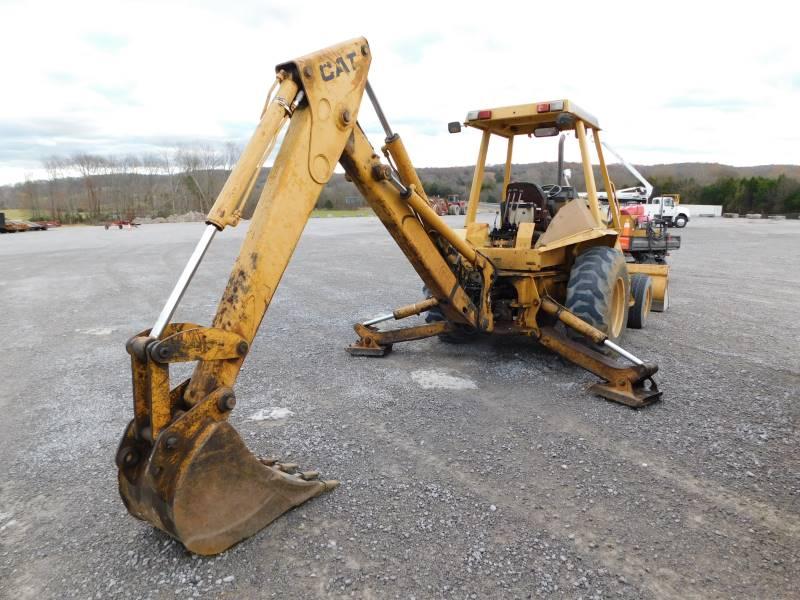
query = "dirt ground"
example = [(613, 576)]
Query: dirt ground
[(477, 471)]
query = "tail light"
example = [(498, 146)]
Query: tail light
[(544, 107), (479, 115)]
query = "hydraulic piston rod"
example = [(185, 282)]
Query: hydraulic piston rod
[(621, 351), (183, 281), (379, 111), (584, 328), (226, 209), (405, 311), (427, 214)]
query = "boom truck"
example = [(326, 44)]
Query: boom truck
[(552, 270), (665, 208)]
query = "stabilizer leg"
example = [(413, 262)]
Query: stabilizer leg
[(632, 385), (372, 342)]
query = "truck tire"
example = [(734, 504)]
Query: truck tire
[(461, 335), (680, 221), (598, 292), (642, 292)]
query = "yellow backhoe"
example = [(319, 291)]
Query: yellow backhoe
[(550, 269)]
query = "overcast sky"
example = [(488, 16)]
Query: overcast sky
[(669, 81)]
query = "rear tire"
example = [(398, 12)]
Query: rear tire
[(642, 292), (598, 292)]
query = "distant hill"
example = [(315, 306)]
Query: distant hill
[(458, 179), (772, 189), (705, 173)]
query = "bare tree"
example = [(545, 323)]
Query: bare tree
[(55, 168), (232, 153), (127, 170), (201, 167), (90, 167), (190, 163), (29, 197), (170, 182), (151, 166), (169, 168)]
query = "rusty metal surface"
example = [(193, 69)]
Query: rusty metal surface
[(407, 230), (333, 80), (226, 210), (415, 309), (182, 467), (200, 483), (631, 385), (201, 343), (573, 321), (374, 342)]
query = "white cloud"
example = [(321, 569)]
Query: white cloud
[(681, 81)]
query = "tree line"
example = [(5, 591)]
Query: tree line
[(754, 194), (91, 188), (84, 187), (766, 195)]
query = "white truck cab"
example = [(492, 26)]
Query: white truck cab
[(667, 209)]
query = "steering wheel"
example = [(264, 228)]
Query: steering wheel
[(551, 190)]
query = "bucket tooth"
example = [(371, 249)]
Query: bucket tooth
[(208, 490)]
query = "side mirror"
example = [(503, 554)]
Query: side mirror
[(454, 127)]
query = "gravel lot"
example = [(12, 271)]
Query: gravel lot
[(479, 471)]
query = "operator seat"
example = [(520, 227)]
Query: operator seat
[(526, 203)]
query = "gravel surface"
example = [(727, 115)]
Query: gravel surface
[(477, 471)]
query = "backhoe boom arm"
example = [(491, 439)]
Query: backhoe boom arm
[(180, 462)]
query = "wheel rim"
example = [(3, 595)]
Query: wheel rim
[(648, 300), (617, 308)]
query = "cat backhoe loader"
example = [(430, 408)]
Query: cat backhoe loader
[(551, 270)]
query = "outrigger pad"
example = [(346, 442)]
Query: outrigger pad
[(210, 491), (636, 396), (364, 350)]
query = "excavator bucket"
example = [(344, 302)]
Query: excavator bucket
[(207, 489), (182, 466)]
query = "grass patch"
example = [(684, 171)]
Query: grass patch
[(17, 213), (325, 213)]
